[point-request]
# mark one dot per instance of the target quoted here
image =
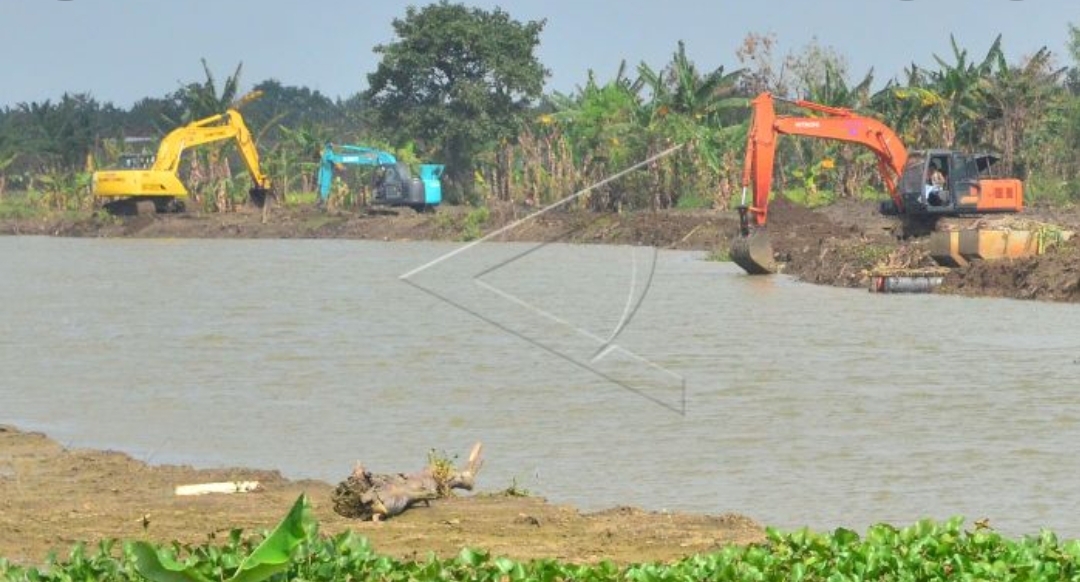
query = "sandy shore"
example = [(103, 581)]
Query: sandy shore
[(52, 497)]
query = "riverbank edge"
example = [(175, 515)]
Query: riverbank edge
[(53, 497)]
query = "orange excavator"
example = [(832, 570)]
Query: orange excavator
[(922, 185)]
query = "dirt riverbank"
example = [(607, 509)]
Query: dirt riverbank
[(52, 497), (835, 245)]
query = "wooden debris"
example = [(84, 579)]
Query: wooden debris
[(371, 496)]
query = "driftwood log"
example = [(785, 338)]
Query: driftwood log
[(371, 496)]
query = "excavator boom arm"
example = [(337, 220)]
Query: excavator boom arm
[(229, 125), (912, 196), (752, 250), (348, 154), (839, 124)]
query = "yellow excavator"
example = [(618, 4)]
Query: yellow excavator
[(147, 184)]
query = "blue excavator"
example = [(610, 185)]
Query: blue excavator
[(392, 183)]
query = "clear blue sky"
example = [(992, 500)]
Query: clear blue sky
[(122, 50)]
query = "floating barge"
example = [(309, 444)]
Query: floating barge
[(957, 248)]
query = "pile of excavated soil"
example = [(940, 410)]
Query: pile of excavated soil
[(1054, 276), (844, 243), (52, 497), (839, 245)]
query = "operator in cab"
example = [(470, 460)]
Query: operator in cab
[(935, 185)]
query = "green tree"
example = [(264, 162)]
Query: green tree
[(297, 155), (457, 81), (826, 83), (1018, 100), (688, 107), (1068, 114), (6, 159), (288, 106), (1073, 77), (209, 167), (960, 92), (153, 117), (62, 134), (602, 124)]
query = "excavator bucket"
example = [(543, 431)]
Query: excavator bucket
[(753, 252), (258, 196)]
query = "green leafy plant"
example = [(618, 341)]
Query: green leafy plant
[(442, 470), (471, 229), (720, 254), (871, 254), (21, 207), (515, 490), (926, 550), (271, 556)]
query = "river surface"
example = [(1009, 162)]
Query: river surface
[(596, 376)]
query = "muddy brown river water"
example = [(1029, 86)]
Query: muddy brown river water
[(596, 376)]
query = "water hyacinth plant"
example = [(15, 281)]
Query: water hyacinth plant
[(927, 550)]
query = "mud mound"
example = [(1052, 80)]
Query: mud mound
[(842, 244), (785, 215), (839, 246), (1054, 276), (864, 214), (670, 229)]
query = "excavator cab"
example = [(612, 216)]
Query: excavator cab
[(967, 185), (396, 186), (926, 184), (135, 161)]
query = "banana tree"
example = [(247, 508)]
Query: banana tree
[(297, 156), (1018, 98), (817, 161), (600, 122), (960, 94), (691, 109), (5, 162), (209, 167)]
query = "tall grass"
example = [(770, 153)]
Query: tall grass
[(30, 205)]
